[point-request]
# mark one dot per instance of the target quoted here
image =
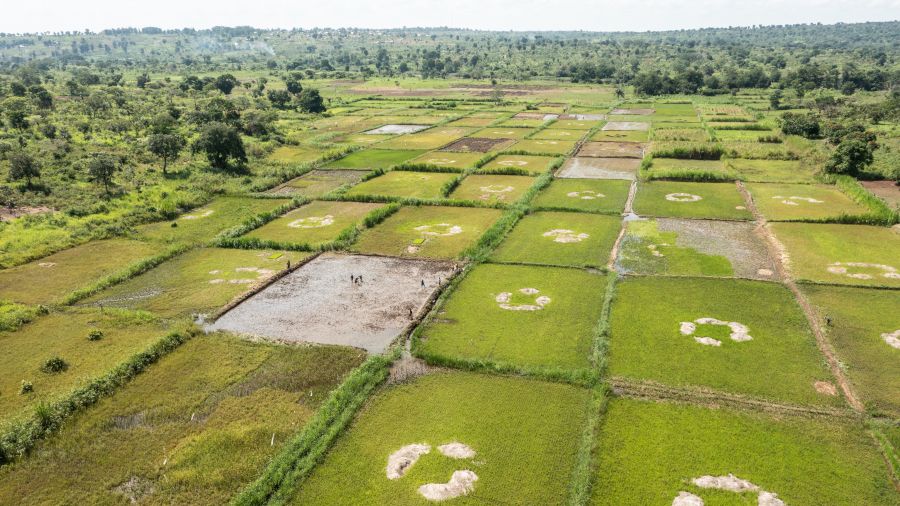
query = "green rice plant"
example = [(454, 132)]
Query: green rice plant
[(13, 316), (448, 187), (688, 151), (425, 167)]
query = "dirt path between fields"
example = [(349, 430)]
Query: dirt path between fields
[(632, 191), (776, 252)]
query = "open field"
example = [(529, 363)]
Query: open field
[(607, 149), (433, 138), (313, 224), (402, 183), (720, 201), (540, 147), (456, 160), (771, 171), (533, 164), (492, 188), (791, 202), (374, 159), (602, 196), (600, 168), (317, 183)]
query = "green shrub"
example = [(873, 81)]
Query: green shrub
[(95, 335), (54, 365), (26, 388)]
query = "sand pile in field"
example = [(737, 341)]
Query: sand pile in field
[(585, 195), (683, 197), (794, 200), (439, 229), (739, 332), (729, 483), (461, 483), (199, 215), (825, 388), (539, 301), (401, 460), (887, 271), (312, 222), (892, 338), (565, 236), (456, 450)]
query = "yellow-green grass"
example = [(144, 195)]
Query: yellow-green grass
[(204, 223), (534, 164), (591, 195), (520, 429), (504, 133), (780, 363), (374, 159), (14, 315), (197, 282), (455, 160), (544, 146), (433, 138), (574, 124), (316, 183), (427, 232), (717, 200), (661, 167), (51, 278), (473, 327), (65, 335), (471, 122), (793, 202), (859, 323), (405, 184), (295, 154), (679, 133), (559, 134), (492, 188), (558, 238), (647, 250), (649, 452), (621, 136), (771, 171), (362, 139), (742, 135), (521, 123), (195, 428), (314, 224), (819, 252)]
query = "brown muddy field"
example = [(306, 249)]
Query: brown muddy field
[(600, 168), (612, 149), (887, 191), (476, 144)]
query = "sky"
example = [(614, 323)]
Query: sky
[(19, 16)]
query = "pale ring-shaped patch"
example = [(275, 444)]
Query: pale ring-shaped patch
[(728, 483), (739, 331), (585, 195), (843, 268), (462, 482), (892, 338), (794, 200), (683, 197), (496, 188), (504, 299), (312, 222), (441, 161), (513, 163), (197, 216), (439, 229), (565, 235)]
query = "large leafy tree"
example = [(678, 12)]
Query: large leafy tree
[(23, 166), (311, 101), (102, 167), (222, 145), (166, 146)]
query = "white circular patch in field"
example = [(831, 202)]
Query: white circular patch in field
[(844, 268), (538, 302), (401, 460), (439, 229), (197, 216), (585, 195), (461, 482), (683, 197), (497, 188), (312, 222), (739, 331), (47, 264), (513, 163), (892, 338), (552, 143), (654, 249), (441, 161), (764, 272), (795, 201), (565, 236), (729, 483)]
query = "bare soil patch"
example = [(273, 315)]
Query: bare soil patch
[(600, 168), (11, 213), (584, 117), (536, 115), (633, 112), (319, 303), (620, 126), (477, 144), (612, 149), (396, 129), (887, 191)]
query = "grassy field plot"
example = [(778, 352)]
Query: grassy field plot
[(599, 196), (433, 138), (478, 145), (621, 136), (427, 232), (314, 224), (544, 146), (533, 164), (557, 238), (668, 167), (574, 124), (843, 254), (658, 449), (456, 160), (295, 154), (51, 278), (524, 316), (745, 337), (865, 331), (316, 183), (520, 123), (193, 429), (197, 282), (690, 200), (504, 133), (612, 150), (679, 134), (492, 188), (401, 183), (771, 171), (471, 122), (374, 159), (791, 202), (694, 248), (559, 134), (515, 428)]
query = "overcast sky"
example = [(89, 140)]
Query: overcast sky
[(601, 15)]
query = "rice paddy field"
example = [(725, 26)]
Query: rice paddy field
[(439, 297)]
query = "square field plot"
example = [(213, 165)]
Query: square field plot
[(566, 239), (52, 278), (620, 126), (316, 183), (864, 327), (478, 144), (633, 112), (591, 195), (472, 122), (427, 232), (559, 134), (789, 202), (396, 129), (432, 138), (612, 150), (319, 303), (738, 336), (621, 136), (504, 133), (842, 254), (690, 200), (492, 188), (771, 171), (446, 159), (600, 168), (508, 432), (374, 159), (550, 147), (533, 164), (662, 451), (314, 224), (538, 318), (679, 247), (669, 167), (197, 282), (405, 184)]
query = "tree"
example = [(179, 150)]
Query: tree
[(42, 98), (311, 101), (620, 93), (142, 80), (775, 99), (222, 144), (850, 157), (806, 125), (16, 111), (166, 146), (23, 166), (102, 167), (162, 123), (292, 83), (225, 83), (281, 99)]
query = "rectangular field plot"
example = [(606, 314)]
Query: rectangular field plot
[(195, 428), (508, 432), (492, 188), (544, 147), (446, 159), (690, 200), (50, 279), (771, 171), (321, 303), (574, 124), (472, 122), (864, 327), (744, 337), (478, 144), (566, 239), (314, 224), (599, 168), (612, 150), (427, 232), (316, 183), (658, 449), (539, 318), (591, 195), (197, 282), (504, 133), (842, 254), (396, 129), (621, 136), (65, 335), (789, 202), (404, 184), (374, 159), (624, 126), (669, 167), (432, 138), (559, 134), (533, 164), (204, 223), (678, 247)]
